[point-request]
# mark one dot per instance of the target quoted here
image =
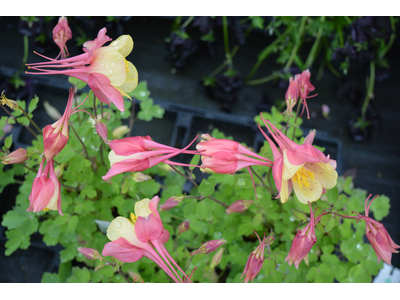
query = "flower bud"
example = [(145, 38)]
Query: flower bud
[(61, 34), (59, 170), (209, 247), (120, 131), (101, 130), (184, 226), (139, 177), (90, 253), (238, 206), (16, 157), (217, 258), (171, 203)]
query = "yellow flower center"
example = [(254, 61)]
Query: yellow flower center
[(133, 218), (5, 101), (46, 209), (303, 177)]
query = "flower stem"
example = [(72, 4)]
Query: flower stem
[(296, 46), (311, 55), (30, 120), (295, 119), (80, 140), (369, 92), (226, 42), (123, 276), (262, 80)]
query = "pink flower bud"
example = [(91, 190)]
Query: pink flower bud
[(140, 177), (216, 258), (90, 253), (61, 34), (171, 203), (209, 247), (101, 129), (16, 157), (292, 95), (184, 226), (256, 259), (238, 206)]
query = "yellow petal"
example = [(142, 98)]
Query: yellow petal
[(142, 208), (123, 44), (111, 64), (122, 227), (288, 169), (308, 194), (284, 194), (324, 173), (131, 79)]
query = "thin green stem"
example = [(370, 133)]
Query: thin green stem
[(80, 140), (26, 50), (226, 42), (392, 37), (187, 22), (123, 276), (262, 80), (369, 92), (219, 202), (30, 120), (187, 177), (348, 20), (296, 47), (311, 55)]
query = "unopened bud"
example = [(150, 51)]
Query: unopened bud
[(90, 253), (139, 177), (217, 258), (209, 246), (16, 157), (239, 206), (59, 170), (171, 203), (325, 111), (184, 226), (120, 131), (52, 111)]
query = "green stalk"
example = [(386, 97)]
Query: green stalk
[(295, 119), (262, 80), (369, 92), (392, 37), (187, 21), (296, 47), (311, 55), (226, 42), (80, 140)]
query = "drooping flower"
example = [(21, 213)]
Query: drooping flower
[(305, 87), (303, 242), (301, 167), (55, 136), (184, 226), (61, 34), (136, 154), (46, 193), (256, 259), (292, 95), (142, 235), (378, 236), (104, 69), (209, 247), (226, 156), (16, 157), (239, 206), (90, 253)]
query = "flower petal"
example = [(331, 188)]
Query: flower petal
[(308, 194), (324, 173), (124, 251)]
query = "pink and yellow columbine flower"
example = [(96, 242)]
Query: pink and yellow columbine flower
[(104, 69), (303, 242), (305, 87), (301, 167), (61, 34), (142, 235), (378, 236), (16, 157), (46, 193), (136, 154), (292, 95), (256, 259)]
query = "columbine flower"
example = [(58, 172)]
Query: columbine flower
[(302, 167), (209, 247), (135, 154), (55, 136), (303, 242), (90, 253), (45, 193), (141, 236), (171, 203), (305, 87), (104, 69), (184, 226), (61, 34), (378, 236), (226, 157), (216, 258), (16, 157), (239, 206), (292, 95), (256, 259)]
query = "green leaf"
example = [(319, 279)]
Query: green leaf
[(30, 225), (330, 224), (348, 185), (33, 104), (14, 218), (333, 195), (299, 214), (141, 92), (327, 249), (77, 82), (50, 278), (16, 239), (380, 207), (340, 272), (68, 254), (357, 274), (194, 161), (79, 275), (64, 271), (206, 187), (8, 141), (312, 272), (257, 22), (148, 110), (190, 208), (201, 210)]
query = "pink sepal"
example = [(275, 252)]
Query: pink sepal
[(123, 250), (148, 229), (104, 91)]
